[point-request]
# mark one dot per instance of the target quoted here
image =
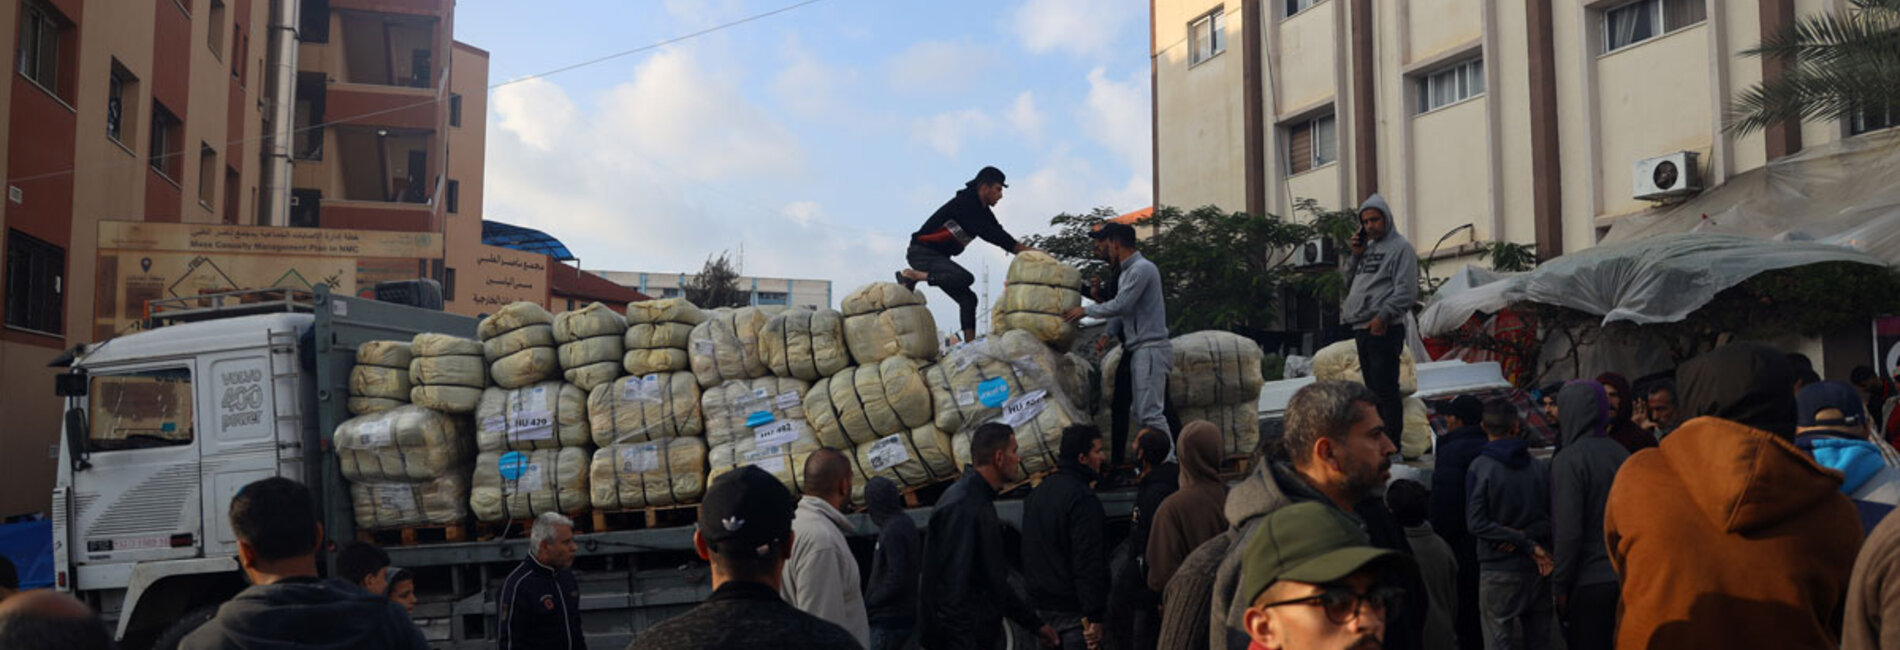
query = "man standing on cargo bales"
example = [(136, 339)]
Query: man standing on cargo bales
[(821, 578), (947, 232), (1383, 276), (966, 572), (540, 602), (1143, 320), (1065, 560)]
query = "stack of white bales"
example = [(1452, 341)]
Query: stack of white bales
[(593, 344), (724, 353), (649, 429), (879, 412), (657, 335), (518, 343), (447, 373), (884, 320), (1216, 377), (804, 344), (726, 345), (1340, 362), (759, 422), (406, 466), (1038, 289), (380, 379), (1012, 378), (533, 443)]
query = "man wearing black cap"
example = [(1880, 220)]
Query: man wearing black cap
[(966, 573), (1831, 427), (1138, 313), (745, 531), (947, 232)]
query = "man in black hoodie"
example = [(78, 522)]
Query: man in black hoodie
[(1134, 610), (1583, 581), (288, 606), (891, 599), (1064, 559), (965, 218), (1508, 514), (1454, 454)]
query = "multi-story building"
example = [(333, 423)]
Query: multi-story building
[(815, 294), (1478, 120)]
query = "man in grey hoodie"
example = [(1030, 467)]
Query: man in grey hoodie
[(1382, 277), (1583, 581)]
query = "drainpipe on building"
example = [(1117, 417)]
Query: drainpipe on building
[(283, 97)]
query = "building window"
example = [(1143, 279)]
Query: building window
[(35, 274), (1451, 85), (313, 24), (454, 198), (242, 42), (207, 174), (1873, 120), (1311, 144), (771, 298), (671, 293), (455, 110), (1642, 20), (1207, 36), (167, 147), (40, 32), (120, 88), (214, 30), (140, 410), (1297, 6), (448, 284)]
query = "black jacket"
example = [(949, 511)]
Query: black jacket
[(1508, 502), (1065, 560), (745, 615), (969, 214), (891, 597), (967, 572), (307, 614), (540, 609), (1455, 452), (1153, 489)]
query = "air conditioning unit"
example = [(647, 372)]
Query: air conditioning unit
[(1316, 253), (1665, 177)]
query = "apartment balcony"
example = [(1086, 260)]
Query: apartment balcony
[(435, 8), (378, 215)]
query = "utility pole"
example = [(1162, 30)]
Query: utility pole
[(983, 317)]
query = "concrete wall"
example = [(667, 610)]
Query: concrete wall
[(1199, 119), (468, 145)]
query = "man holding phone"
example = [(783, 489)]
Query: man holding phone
[(1383, 280)]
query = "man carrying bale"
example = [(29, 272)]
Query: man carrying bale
[(947, 232), (1142, 319)]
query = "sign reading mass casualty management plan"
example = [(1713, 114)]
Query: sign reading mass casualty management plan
[(141, 261)]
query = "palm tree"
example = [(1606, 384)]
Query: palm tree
[(1838, 65)]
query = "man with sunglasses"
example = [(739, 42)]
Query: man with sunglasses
[(1383, 281), (1315, 582)]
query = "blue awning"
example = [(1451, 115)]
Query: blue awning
[(527, 240)]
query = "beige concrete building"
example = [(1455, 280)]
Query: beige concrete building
[(1478, 120), (815, 294)]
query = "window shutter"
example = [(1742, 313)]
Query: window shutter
[(1300, 148)]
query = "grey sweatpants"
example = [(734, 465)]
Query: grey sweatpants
[(1148, 379)]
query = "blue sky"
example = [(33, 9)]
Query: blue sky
[(817, 139)]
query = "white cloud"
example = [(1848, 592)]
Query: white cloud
[(939, 67), (1024, 116), (1116, 115), (535, 110), (677, 114), (802, 213), (946, 132), (1081, 27), (807, 85)]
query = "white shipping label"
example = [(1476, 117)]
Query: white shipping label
[(639, 459), (530, 480), (375, 433), (888, 452), (1023, 408), (397, 496), (495, 423), (783, 432), (641, 389), (531, 425), (775, 464), (703, 347), (787, 400), (966, 397)]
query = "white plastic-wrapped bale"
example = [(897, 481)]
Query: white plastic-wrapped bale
[(1416, 438), (805, 344), (1239, 426), (788, 467), (748, 408), (884, 320), (649, 474), (1076, 375), (1037, 290), (659, 336), (726, 346), (377, 381), (540, 416), (665, 310), (659, 360), (1213, 368), (588, 322), (453, 370), (1340, 362), (531, 337), (447, 399), (975, 382), (388, 354), (914, 458), (385, 505), (380, 379), (514, 316), (1038, 435), (641, 408), (863, 403), (592, 343), (525, 367), (404, 444), (431, 344), (735, 452), (525, 484), (368, 405)]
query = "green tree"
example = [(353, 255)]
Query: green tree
[(1838, 65), (716, 285)]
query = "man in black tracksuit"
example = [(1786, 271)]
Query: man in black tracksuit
[(540, 603), (965, 218), (965, 567), (1064, 559)]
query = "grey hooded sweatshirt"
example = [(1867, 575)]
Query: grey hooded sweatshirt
[(1383, 280), (1580, 478)]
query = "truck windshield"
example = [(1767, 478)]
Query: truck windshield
[(141, 410)]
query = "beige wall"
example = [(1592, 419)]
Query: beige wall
[(1451, 190), (468, 77), (1307, 57), (1201, 161), (1654, 100)]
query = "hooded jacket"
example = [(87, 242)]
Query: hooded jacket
[(1726, 535), (1580, 478), (1873, 593), (961, 219), (1193, 514), (307, 614), (897, 563), (821, 578), (1865, 476), (1383, 281), (1622, 427), (1453, 461), (1065, 557), (967, 571), (1508, 496)]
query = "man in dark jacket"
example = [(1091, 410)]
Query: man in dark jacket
[(1508, 514), (965, 567), (745, 532), (1195, 513), (891, 599), (1454, 454), (1134, 610), (540, 603), (966, 217), (287, 605), (1583, 581), (1065, 560)]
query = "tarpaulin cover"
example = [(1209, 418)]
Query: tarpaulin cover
[(29, 544)]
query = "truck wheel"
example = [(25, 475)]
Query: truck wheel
[(172, 636)]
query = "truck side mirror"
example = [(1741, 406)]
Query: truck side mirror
[(71, 384), (77, 433)]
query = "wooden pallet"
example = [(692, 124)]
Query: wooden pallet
[(917, 496), (643, 518), (518, 528), (414, 535), (1235, 467), (1031, 480)]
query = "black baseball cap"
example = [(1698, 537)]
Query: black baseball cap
[(988, 175), (1120, 232), (745, 510), (1821, 396)]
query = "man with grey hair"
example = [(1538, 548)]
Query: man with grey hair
[(49, 620), (540, 603), (821, 578), (1335, 452)]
